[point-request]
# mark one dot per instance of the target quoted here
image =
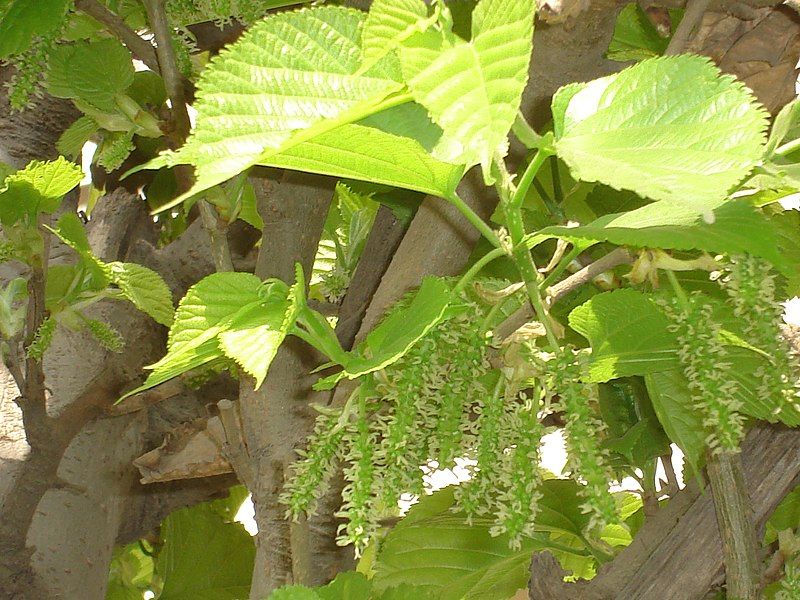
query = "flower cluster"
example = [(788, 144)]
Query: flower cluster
[(108, 337), (751, 288), (222, 12), (42, 340), (586, 458), (311, 474), (703, 357)]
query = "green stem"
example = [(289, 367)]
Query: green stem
[(527, 178), (680, 294), (477, 267), (525, 133), (557, 192), (530, 276), (473, 218)]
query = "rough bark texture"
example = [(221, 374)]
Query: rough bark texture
[(65, 504), (678, 553)]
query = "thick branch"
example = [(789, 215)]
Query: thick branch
[(139, 47), (734, 512)]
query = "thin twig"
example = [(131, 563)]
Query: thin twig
[(672, 486), (181, 124), (140, 48), (695, 10), (168, 62), (619, 256)]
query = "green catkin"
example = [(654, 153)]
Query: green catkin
[(109, 338), (465, 349), (476, 497), (42, 340), (703, 358), (357, 495), (585, 457), (751, 288), (311, 474), (518, 502), (27, 81)]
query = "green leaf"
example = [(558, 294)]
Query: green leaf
[(473, 89), (206, 309), (204, 557), (435, 549), (397, 334), (671, 128), (252, 339), (22, 20), (294, 592), (76, 135), (628, 334), (367, 152), (39, 187), (233, 315), (785, 123), (290, 72), (722, 226), (451, 560), (145, 289), (786, 516), (389, 23), (635, 37), (349, 585), (672, 401), (94, 72)]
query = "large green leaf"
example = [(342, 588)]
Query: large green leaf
[(39, 187), (628, 334), (721, 226), (436, 550), (372, 150), (473, 89), (94, 72), (671, 128), (263, 94), (204, 557), (389, 23), (21, 21)]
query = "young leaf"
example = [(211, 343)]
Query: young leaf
[(628, 334), (76, 135), (671, 128), (402, 329), (721, 226), (145, 289), (289, 72), (94, 72), (39, 187), (252, 339), (473, 89), (635, 36), (22, 20)]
